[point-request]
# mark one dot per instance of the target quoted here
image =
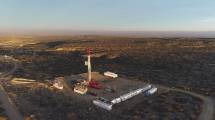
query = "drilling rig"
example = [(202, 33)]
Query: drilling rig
[(82, 87)]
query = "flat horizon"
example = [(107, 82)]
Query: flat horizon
[(204, 34), (96, 15)]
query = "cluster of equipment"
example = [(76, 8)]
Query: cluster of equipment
[(58, 83), (82, 88)]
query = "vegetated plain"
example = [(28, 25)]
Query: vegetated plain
[(185, 63)]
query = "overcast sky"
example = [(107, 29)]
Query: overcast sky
[(119, 15)]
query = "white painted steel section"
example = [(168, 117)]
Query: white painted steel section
[(89, 68)]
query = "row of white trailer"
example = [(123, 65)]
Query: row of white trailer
[(106, 104)]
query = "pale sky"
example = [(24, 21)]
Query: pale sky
[(119, 15)]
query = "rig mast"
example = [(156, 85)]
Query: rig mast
[(89, 51)]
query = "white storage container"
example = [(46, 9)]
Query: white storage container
[(110, 74)]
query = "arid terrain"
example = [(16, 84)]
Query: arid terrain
[(183, 63)]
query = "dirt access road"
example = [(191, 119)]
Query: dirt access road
[(207, 107), (7, 103)]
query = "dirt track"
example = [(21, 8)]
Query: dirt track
[(7, 103), (208, 103)]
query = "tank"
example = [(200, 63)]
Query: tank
[(151, 91), (103, 103)]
